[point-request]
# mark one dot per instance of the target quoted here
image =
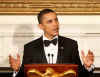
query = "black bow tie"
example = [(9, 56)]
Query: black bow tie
[(47, 42)]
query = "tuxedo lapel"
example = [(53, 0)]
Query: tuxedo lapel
[(60, 50), (42, 52)]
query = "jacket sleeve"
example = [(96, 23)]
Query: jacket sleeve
[(82, 71), (21, 70)]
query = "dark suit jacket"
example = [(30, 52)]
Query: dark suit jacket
[(67, 53)]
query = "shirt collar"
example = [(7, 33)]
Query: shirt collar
[(45, 38)]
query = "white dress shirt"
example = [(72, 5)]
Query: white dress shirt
[(52, 50)]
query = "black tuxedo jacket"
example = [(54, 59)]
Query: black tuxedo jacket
[(67, 54)]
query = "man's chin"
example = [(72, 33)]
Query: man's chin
[(56, 34)]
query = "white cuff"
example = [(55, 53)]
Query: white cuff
[(91, 68)]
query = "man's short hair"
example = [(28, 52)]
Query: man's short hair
[(42, 12)]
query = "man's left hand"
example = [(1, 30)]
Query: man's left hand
[(88, 60)]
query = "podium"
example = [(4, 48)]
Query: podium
[(51, 70)]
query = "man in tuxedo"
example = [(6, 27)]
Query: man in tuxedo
[(52, 48)]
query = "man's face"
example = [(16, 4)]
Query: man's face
[(50, 24)]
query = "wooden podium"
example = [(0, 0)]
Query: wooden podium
[(51, 70)]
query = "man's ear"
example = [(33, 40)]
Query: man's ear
[(41, 26)]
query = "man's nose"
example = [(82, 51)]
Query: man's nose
[(55, 23)]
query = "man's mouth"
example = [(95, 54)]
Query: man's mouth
[(56, 31)]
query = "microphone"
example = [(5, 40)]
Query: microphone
[(52, 57), (49, 57)]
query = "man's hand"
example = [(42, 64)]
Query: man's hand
[(14, 63), (88, 59)]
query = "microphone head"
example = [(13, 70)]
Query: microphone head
[(48, 54), (52, 55)]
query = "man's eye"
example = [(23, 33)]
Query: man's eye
[(49, 21)]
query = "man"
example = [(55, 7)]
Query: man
[(63, 50)]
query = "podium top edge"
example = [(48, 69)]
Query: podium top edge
[(30, 65)]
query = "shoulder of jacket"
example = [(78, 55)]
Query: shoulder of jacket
[(67, 39), (33, 42)]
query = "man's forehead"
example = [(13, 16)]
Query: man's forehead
[(50, 16)]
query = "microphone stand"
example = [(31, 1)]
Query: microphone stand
[(49, 57), (52, 57)]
